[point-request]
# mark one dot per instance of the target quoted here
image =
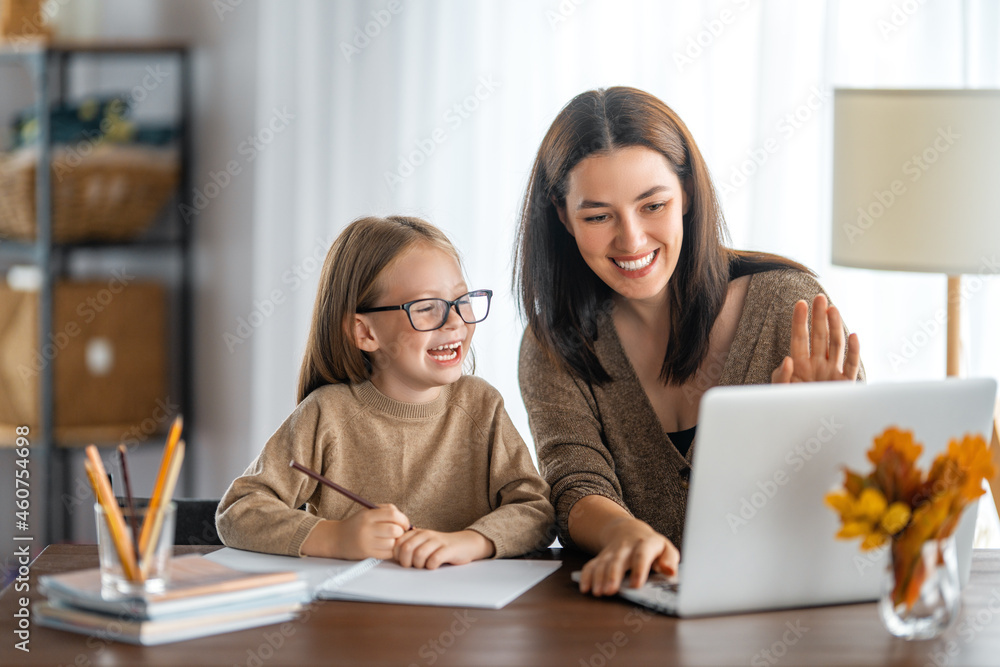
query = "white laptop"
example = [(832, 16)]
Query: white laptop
[(758, 535)]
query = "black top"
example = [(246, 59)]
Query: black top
[(682, 439)]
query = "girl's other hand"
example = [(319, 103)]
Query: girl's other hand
[(633, 546), (367, 534), (431, 549), (819, 356)]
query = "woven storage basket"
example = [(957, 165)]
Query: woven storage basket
[(22, 19), (111, 194), (108, 350)]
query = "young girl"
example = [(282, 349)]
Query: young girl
[(385, 411)]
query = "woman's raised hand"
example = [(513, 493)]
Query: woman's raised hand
[(819, 356)]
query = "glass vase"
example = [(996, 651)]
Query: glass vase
[(920, 593)]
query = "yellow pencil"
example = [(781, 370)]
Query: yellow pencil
[(156, 517), (116, 522), (161, 478)]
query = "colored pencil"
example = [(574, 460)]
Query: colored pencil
[(116, 522), (161, 478), (156, 516), (333, 485), (129, 498)]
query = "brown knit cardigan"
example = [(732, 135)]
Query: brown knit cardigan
[(607, 440)]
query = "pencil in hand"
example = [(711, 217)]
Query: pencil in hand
[(336, 487)]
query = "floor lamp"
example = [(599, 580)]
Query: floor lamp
[(916, 187)]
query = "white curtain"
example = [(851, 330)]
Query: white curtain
[(436, 109)]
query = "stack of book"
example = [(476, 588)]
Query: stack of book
[(202, 598)]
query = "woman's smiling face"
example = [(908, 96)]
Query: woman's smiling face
[(625, 209)]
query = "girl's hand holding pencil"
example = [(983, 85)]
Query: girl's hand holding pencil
[(382, 531), (367, 534)]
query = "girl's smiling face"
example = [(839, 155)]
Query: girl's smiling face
[(625, 210), (410, 365)]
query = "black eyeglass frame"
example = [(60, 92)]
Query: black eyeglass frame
[(488, 293)]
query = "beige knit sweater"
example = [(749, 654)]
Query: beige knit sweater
[(452, 464), (607, 440)]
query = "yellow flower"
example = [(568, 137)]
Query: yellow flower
[(839, 501), (895, 518), (901, 441), (874, 541), (897, 501), (867, 507), (871, 505), (868, 516), (852, 529), (973, 459)]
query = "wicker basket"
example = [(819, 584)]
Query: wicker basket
[(111, 194), (20, 19)]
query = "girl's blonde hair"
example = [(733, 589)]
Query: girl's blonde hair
[(349, 282)]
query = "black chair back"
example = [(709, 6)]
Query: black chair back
[(194, 521)]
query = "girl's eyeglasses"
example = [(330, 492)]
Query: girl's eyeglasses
[(431, 314)]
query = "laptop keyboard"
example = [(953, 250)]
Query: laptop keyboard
[(659, 593), (663, 584)]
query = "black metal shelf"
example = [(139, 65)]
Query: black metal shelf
[(27, 249), (28, 49), (48, 64)]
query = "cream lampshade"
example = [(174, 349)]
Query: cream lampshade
[(916, 187)]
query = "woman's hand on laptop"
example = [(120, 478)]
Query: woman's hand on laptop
[(632, 546), (819, 355)]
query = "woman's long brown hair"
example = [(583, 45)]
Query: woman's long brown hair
[(561, 297), (350, 282)]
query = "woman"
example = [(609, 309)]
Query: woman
[(635, 308)]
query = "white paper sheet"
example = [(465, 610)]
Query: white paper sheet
[(485, 584), (316, 571)]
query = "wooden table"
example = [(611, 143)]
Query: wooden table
[(552, 624)]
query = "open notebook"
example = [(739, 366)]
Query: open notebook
[(487, 584)]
